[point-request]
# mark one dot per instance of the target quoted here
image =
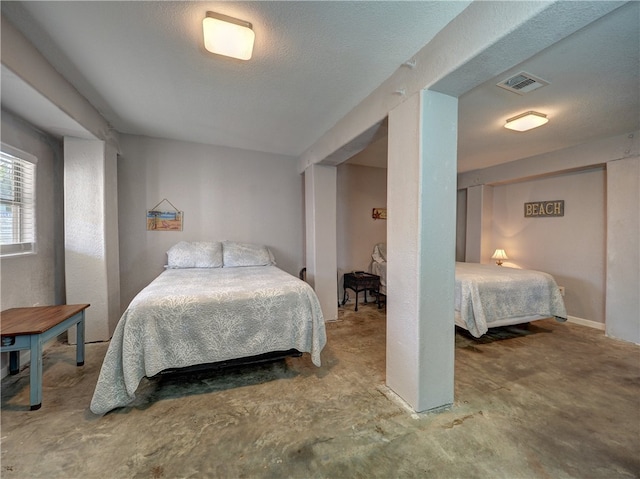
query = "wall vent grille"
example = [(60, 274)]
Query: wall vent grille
[(522, 83)]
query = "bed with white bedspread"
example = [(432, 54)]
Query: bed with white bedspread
[(204, 314), (488, 296)]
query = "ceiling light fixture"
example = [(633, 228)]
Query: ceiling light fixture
[(228, 36), (526, 121)]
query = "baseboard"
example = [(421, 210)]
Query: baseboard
[(586, 322)]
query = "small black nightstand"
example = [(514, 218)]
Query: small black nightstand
[(361, 281)]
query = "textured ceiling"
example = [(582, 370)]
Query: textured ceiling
[(143, 66), (594, 92)]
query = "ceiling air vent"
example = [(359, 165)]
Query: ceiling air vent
[(522, 83)]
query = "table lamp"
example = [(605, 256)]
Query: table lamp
[(499, 255)]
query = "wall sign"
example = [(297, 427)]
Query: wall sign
[(379, 214), (543, 209), (164, 220)]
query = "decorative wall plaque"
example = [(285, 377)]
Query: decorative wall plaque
[(543, 209), (163, 220), (379, 214)]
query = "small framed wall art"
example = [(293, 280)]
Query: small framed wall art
[(379, 214), (164, 220)]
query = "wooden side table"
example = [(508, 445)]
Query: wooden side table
[(30, 328), (361, 281)]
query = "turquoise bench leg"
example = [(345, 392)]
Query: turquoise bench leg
[(35, 374), (80, 341), (14, 362)]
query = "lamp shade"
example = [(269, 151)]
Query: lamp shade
[(499, 255), (526, 121), (228, 36)]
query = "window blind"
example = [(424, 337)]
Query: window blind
[(17, 203)]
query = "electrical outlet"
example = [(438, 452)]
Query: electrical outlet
[(561, 288)]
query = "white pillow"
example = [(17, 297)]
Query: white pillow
[(197, 254), (245, 254)]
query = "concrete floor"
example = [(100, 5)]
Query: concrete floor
[(551, 401)]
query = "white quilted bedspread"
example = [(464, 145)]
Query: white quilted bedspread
[(486, 293), (201, 315)]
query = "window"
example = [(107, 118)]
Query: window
[(17, 202)]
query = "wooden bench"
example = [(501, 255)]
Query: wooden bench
[(30, 328)]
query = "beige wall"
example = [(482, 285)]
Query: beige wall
[(572, 248), (359, 190), (225, 193)]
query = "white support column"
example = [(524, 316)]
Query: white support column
[(421, 227), (623, 250), (91, 233), (321, 257)]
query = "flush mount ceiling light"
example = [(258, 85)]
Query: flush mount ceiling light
[(228, 36), (526, 121)]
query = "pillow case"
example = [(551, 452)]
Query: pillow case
[(380, 253), (196, 254), (236, 254)]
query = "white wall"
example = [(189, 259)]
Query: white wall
[(477, 228), (623, 249), (461, 225), (320, 235), (37, 280), (360, 189), (572, 248), (91, 235), (225, 193)]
